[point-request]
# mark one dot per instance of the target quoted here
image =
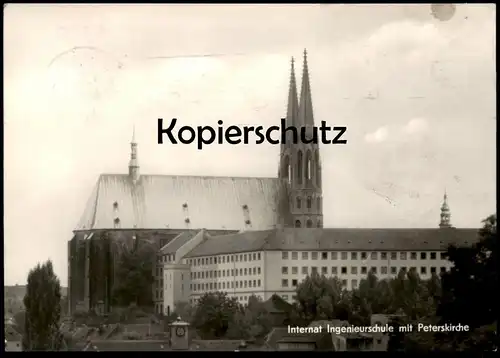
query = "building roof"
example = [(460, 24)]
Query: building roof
[(181, 202), (336, 240), (196, 345), (178, 242), (276, 334), (11, 335), (239, 242), (322, 340), (126, 346), (297, 338)]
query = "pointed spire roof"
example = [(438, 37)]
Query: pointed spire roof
[(445, 213), (306, 116), (445, 206), (133, 134), (293, 102)]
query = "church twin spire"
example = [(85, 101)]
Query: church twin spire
[(300, 114), (300, 167), (293, 101), (305, 107)]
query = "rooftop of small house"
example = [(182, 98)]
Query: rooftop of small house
[(151, 346), (11, 335)]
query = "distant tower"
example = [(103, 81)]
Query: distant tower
[(133, 165), (445, 213), (300, 164)]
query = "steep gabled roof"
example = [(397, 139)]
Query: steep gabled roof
[(181, 202), (336, 240), (232, 243), (178, 242)]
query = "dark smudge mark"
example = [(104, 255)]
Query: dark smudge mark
[(443, 12)]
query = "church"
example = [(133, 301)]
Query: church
[(241, 235)]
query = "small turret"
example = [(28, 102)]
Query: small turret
[(445, 213), (133, 166)]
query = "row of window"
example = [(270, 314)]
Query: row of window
[(195, 287), (225, 273), (309, 223), (354, 271), (222, 259), (159, 294), (242, 299), (305, 256), (165, 258), (159, 308), (287, 168), (309, 201), (362, 255)]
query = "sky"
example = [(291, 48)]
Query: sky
[(416, 93)]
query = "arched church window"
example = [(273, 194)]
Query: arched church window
[(309, 223), (319, 223), (299, 203), (300, 166), (317, 168), (309, 202), (297, 223), (308, 166), (318, 203), (286, 170)]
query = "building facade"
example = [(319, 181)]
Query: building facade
[(244, 236), (264, 263)]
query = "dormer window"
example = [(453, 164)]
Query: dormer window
[(187, 221), (115, 205), (247, 222), (245, 207), (185, 205), (117, 221)]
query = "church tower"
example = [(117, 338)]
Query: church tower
[(133, 165), (445, 213), (300, 165)]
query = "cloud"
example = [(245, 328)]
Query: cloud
[(380, 135), (416, 126)]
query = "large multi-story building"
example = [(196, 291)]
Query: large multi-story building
[(263, 263), (243, 236)]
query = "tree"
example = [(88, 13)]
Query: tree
[(64, 306), (469, 290), (411, 296), (43, 310), (319, 298), (252, 321), (182, 309), (19, 320), (240, 325), (214, 313), (367, 299), (135, 276), (257, 315)]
